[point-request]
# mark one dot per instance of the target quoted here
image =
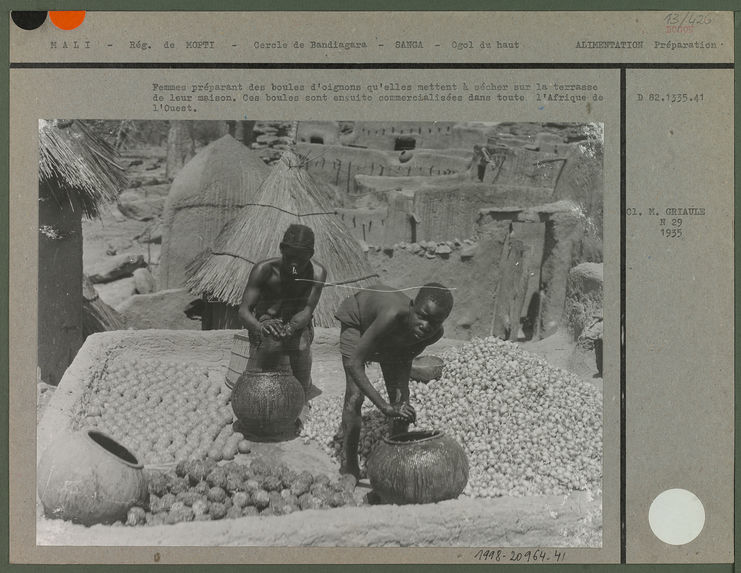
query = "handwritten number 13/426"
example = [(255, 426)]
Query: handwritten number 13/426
[(688, 18)]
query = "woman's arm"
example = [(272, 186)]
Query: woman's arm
[(255, 283), (355, 365)]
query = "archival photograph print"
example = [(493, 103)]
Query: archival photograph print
[(320, 333)]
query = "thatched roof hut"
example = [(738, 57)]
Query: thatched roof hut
[(288, 195), (205, 195), (77, 167), (77, 176)]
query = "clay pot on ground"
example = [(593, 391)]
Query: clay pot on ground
[(418, 467), (267, 403), (87, 477)]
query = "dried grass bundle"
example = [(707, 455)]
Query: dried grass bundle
[(97, 316), (206, 194), (288, 195), (225, 173), (77, 166)]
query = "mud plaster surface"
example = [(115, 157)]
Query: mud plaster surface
[(541, 521), (519, 522)]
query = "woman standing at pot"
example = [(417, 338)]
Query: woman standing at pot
[(277, 305)]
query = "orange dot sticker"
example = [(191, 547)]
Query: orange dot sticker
[(67, 19)]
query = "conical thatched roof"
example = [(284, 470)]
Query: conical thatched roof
[(204, 196), (288, 195), (77, 166), (223, 173)]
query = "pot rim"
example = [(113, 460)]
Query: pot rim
[(87, 431), (429, 435), (270, 373)]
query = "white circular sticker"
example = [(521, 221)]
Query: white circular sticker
[(676, 516)]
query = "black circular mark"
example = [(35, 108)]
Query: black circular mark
[(28, 20)]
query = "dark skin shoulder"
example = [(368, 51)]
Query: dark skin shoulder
[(394, 325), (394, 322)]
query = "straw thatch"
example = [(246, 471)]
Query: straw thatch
[(77, 167), (288, 195), (97, 315), (205, 195)]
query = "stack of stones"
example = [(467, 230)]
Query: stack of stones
[(272, 140)]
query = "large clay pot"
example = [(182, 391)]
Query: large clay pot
[(418, 467), (87, 477), (267, 404)]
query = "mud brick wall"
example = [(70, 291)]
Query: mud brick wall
[(582, 182), (527, 168), (381, 135), (437, 135), (367, 225), (324, 132), (400, 225), (449, 213), (564, 234), (380, 186), (338, 165)]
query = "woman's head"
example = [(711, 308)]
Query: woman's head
[(431, 307), (296, 249)]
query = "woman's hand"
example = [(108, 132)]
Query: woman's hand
[(403, 411), (271, 327), (288, 330)]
